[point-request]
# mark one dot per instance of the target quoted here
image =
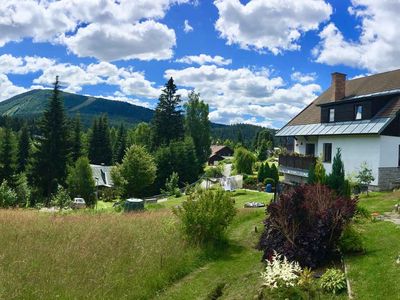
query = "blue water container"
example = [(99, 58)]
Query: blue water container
[(268, 188)]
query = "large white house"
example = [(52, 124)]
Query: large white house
[(359, 116)]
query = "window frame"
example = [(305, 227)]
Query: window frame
[(331, 114), (325, 152), (356, 112), (310, 145)]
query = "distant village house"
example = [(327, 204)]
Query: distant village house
[(219, 153)]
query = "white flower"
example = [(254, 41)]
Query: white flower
[(280, 272)]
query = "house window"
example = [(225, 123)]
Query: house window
[(358, 112), (310, 149), (327, 152), (332, 115)]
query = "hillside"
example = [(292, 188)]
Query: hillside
[(32, 104)]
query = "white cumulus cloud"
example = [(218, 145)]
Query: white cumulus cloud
[(378, 46), (97, 28), (274, 25), (244, 94), (204, 59)]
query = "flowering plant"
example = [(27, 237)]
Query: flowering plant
[(280, 272)]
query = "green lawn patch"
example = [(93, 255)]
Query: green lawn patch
[(375, 274)]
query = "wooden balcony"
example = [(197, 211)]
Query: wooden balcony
[(296, 162)]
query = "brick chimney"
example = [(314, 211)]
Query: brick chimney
[(338, 86)]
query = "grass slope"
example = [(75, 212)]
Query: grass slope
[(97, 256), (375, 274)]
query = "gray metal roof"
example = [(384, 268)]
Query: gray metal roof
[(102, 175), (373, 126)]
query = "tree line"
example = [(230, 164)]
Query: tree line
[(52, 155)]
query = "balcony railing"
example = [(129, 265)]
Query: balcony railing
[(296, 162)]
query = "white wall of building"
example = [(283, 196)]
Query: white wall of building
[(377, 151), (389, 151), (300, 144)]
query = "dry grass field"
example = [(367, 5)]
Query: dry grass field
[(103, 256)]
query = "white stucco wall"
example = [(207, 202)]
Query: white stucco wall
[(355, 150), (389, 152), (300, 144), (377, 151)]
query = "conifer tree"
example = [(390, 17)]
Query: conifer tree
[(50, 166), (336, 180), (167, 122), (100, 150), (24, 148), (120, 145), (197, 126), (274, 173), (261, 173), (8, 157), (267, 171), (77, 148)]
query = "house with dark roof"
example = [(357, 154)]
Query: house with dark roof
[(359, 116), (218, 153)]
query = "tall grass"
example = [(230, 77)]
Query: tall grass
[(104, 256)]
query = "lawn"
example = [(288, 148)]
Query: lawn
[(375, 274), (143, 256)]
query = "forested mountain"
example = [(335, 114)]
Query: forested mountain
[(243, 133), (32, 104)]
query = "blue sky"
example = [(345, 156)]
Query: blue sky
[(254, 61)]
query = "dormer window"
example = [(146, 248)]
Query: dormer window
[(332, 115), (358, 112)]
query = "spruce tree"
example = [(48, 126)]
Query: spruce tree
[(120, 144), (261, 174), (100, 149), (24, 148), (8, 157), (267, 171), (50, 166), (167, 122), (76, 148), (197, 126), (336, 180), (274, 173)]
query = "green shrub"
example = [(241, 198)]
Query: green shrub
[(351, 241), (8, 197), (250, 180), (172, 186), (333, 281), (269, 181), (206, 215), (61, 198), (23, 190), (362, 212), (213, 172)]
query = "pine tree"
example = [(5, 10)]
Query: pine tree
[(100, 149), (261, 174), (274, 173), (24, 148), (267, 171), (336, 180), (311, 175), (50, 166), (120, 145), (197, 126), (8, 157), (167, 122), (77, 148)]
